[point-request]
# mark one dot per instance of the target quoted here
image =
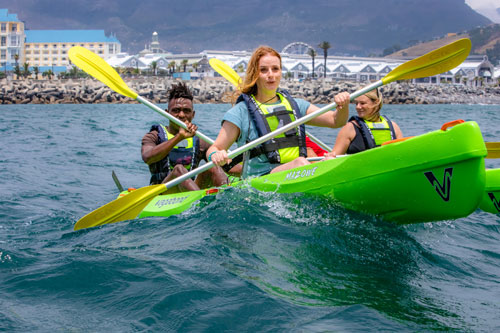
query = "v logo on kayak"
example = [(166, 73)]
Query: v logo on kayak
[(496, 202), (443, 189)]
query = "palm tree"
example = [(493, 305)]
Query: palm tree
[(73, 72), (48, 73), (154, 67), (171, 66), (17, 70), (476, 78), (481, 81), (26, 70), (184, 64), (313, 54), (35, 71), (195, 66), (324, 46)]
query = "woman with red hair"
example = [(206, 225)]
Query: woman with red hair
[(262, 108)]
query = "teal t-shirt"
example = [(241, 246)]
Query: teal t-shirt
[(238, 115)]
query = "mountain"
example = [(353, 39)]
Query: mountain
[(359, 27), (485, 40)]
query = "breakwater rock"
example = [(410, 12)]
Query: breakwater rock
[(217, 90)]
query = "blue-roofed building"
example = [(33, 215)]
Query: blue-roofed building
[(50, 47), (11, 39)]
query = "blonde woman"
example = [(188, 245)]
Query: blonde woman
[(261, 109), (366, 130)]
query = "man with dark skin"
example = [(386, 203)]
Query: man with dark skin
[(172, 151)]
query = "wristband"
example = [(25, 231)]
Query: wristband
[(210, 156)]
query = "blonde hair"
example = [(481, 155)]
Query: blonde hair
[(249, 85), (376, 97)]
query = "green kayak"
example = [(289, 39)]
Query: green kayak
[(435, 176), (491, 196)]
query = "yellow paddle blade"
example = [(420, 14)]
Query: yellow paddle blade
[(226, 71), (97, 67), (123, 208), (435, 62), (493, 149)]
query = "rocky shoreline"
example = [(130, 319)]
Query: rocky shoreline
[(217, 90)]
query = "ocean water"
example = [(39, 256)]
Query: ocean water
[(240, 261)]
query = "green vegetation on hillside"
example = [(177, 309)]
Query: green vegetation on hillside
[(494, 54), (485, 40), (481, 36), (391, 49)]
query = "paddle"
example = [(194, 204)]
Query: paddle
[(226, 71), (432, 63), (117, 182), (230, 74), (493, 149), (97, 67)]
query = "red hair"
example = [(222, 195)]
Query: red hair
[(249, 85)]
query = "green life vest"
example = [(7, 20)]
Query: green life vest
[(380, 130), (373, 134), (184, 153), (284, 147)]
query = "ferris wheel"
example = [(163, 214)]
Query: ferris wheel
[(297, 48)]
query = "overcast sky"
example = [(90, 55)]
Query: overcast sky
[(488, 8)]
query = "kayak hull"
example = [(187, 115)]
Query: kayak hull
[(436, 176), (491, 196)]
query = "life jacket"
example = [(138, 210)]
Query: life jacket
[(185, 152), (370, 134), (284, 147)]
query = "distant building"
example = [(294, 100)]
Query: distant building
[(11, 39), (163, 61), (50, 47), (155, 44), (154, 47), (47, 48), (124, 60)]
